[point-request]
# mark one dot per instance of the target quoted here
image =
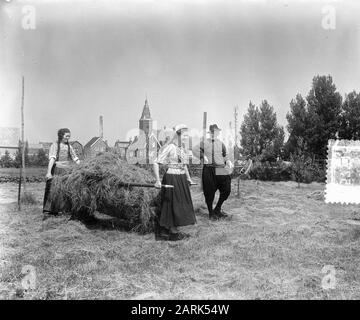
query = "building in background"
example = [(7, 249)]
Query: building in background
[(146, 143), (9, 140), (137, 150), (95, 146), (145, 121), (33, 149)]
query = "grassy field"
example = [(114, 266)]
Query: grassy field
[(274, 247), (37, 172)]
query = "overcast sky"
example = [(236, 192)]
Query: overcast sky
[(91, 58)]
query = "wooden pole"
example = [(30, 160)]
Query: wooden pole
[(147, 148), (143, 185), (20, 177), (190, 149), (238, 187), (203, 138), (21, 146), (22, 136), (236, 109)]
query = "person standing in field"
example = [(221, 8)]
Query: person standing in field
[(176, 204), (216, 172), (61, 157)]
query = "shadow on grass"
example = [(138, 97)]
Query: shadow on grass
[(29, 198), (100, 221)]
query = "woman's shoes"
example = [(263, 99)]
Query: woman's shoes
[(161, 233), (48, 214), (178, 236), (220, 214), (162, 236), (165, 235), (214, 217)]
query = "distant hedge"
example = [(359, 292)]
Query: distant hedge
[(8, 179), (270, 171), (281, 171), (267, 171)]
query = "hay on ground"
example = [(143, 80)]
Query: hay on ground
[(96, 185)]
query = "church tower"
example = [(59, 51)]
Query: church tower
[(145, 122)]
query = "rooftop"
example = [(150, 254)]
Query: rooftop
[(146, 112), (91, 142)]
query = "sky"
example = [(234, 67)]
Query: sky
[(88, 58)]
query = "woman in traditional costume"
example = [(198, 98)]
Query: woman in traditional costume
[(61, 157), (176, 204)]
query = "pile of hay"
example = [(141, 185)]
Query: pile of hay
[(95, 185)]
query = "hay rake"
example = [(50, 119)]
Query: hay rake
[(244, 167), (148, 185), (144, 185)]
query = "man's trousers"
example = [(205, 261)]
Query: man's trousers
[(211, 183)]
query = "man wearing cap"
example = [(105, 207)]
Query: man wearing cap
[(215, 175)]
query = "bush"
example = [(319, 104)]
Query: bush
[(305, 170), (282, 171), (317, 173), (276, 171), (6, 161)]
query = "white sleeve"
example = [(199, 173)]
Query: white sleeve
[(163, 154), (53, 151)]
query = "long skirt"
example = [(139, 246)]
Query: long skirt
[(48, 205), (176, 205)]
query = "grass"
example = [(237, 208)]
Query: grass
[(31, 171), (28, 198), (275, 247)]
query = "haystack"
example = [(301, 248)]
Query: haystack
[(97, 184)]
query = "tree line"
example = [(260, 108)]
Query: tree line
[(311, 121), (36, 160), (322, 115)]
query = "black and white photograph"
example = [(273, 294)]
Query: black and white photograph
[(156, 150)]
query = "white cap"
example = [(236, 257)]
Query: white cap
[(180, 127)]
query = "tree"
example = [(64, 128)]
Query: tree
[(250, 132), (271, 134), (324, 108), (18, 156), (350, 117), (297, 123), (261, 136), (41, 158), (300, 161), (6, 161)]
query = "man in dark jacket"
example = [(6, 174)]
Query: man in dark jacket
[(215, 176)]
